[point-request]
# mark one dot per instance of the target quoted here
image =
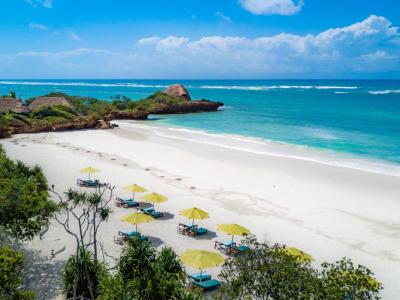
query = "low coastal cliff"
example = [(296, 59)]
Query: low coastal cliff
[(188, 107), (57, 112)]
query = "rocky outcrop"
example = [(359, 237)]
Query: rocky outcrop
[(18, 126), (129, 115), (155, 104), (177, 90), (188, 107)]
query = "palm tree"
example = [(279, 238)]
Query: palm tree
[(12, 94)]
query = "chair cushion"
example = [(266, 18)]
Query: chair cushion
[(208, 284), (200, 230), (200, 276)]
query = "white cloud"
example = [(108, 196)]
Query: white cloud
[(38, 26), (272, 7), (367, 47), (36, 3), (343, 49), (73, 36), (148, 41), (222, 17), (169, 43)]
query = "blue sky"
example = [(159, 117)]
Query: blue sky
[(200, 39)]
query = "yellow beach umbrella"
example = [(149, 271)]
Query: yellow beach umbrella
[(202, 259), (300, 255), (233, 229), (137, 218), (89, 170), (194, 213), (134, 188), (154, 198)]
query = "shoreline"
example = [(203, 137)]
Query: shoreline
[(262, 146), (327, 211)]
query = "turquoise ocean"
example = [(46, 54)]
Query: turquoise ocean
[(353, 123)]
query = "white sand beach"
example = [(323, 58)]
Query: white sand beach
[(328, 211)]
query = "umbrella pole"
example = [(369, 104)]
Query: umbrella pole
[(136, 227), (232, 240), (192, 222), (89, 176)]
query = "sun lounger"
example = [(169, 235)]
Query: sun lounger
[(89, 183), (150, 211), (225, 247), (120, 240), (122, 202), (222, 246), (200, 276), (182, 228), (127, 233), (191, 230), (241, 248), (194, 231), (207, 285), (130, 234), (147, 209), (230, 248)]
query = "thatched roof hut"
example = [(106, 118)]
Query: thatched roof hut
[(50, 101), (12, 105)]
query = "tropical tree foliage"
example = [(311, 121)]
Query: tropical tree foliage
[(81, 275), (11, 275), (343, 280), (270, 272), (25, 207), (144, 273), (81, 215)]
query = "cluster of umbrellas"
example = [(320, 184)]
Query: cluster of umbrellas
[(199, 259)]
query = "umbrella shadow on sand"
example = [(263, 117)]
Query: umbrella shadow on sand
[(208, 236), (167, 216), (155, 241)]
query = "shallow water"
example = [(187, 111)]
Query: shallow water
[(356, 118)]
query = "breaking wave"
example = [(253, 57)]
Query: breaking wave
[(272, 87), (134, 85), (384, 92)]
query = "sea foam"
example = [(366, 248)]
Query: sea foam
[(133, 85)]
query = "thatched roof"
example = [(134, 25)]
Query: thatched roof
[(49, 101), (12, 105)]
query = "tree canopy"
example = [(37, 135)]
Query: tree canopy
[(11, 275), (269, 272), (145, 273), (25, 207)]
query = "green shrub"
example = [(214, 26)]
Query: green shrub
[(145, 274), (268, 272), (11, 275), (82, 274), (25, 207), (60, 111)]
